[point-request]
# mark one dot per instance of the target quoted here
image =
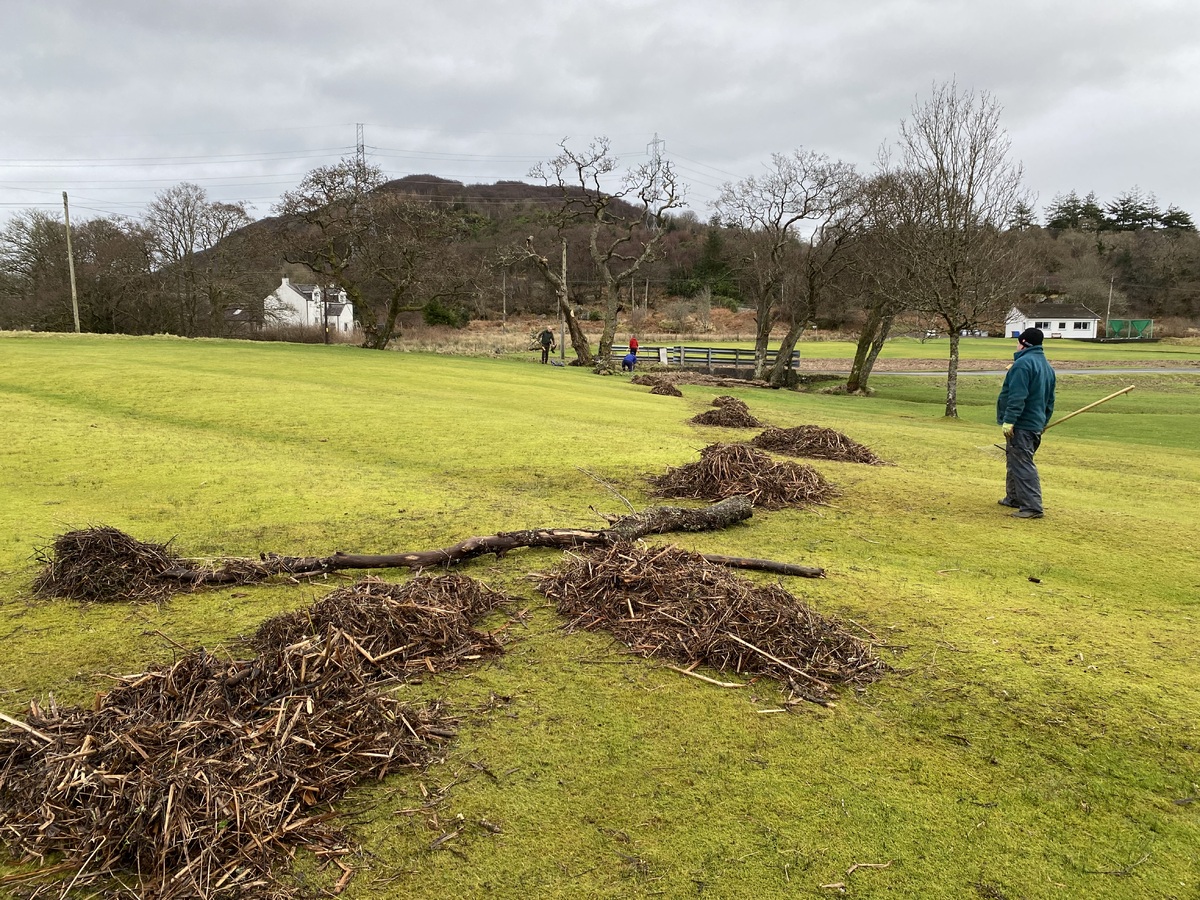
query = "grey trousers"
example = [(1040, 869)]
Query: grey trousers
[(1023, 488)]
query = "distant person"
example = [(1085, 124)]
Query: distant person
[(633, 345), (1023, 409), (546, 339), (629, 361)]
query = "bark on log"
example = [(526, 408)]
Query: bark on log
[(653, 520), (765, 565)]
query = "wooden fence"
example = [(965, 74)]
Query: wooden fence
[(708, 359)]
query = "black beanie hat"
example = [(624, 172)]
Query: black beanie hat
[(1031, 337)]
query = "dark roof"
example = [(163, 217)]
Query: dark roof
[(1055, 311), (334, 309)]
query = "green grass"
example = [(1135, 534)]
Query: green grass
[(1031, 743)]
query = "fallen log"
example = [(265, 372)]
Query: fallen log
[(765, 565), (157, 575), (654, 520)]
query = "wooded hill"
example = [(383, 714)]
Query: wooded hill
[(135, 276)]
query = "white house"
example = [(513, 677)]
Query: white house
[(1056, 320), (305, 304)]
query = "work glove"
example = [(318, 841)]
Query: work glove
[(1007, 428)]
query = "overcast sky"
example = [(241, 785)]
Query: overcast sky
[(115, 101)]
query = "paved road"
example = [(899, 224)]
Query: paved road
[(963, 373)]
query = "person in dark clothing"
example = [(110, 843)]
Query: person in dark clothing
[(546, 339), (629, 361), (1023, 409)]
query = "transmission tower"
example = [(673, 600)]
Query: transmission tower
[(360, 149), (654, 149)]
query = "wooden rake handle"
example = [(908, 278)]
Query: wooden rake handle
[(1086, 408)]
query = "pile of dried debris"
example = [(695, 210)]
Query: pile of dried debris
[(94, 565), (727, 470), (730, 412), (196, 779), (666, 389), (815, 442), (664, 602)]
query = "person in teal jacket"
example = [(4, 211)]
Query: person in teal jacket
[(1023, 409)]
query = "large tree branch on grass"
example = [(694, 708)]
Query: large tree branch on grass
[(654, 520)]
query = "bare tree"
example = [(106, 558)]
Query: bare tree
[(878, 277), (790, 204), (379, 247), (184, 224), (956, 189), (624, 225), (555, 274), (825, 258)]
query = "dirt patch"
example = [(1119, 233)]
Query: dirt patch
[(884, 366)]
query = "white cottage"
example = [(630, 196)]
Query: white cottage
[(305, 304), (1056, 320)]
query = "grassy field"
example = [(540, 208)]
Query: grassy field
[(1036, 739)]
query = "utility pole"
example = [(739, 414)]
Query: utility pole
[(325, 312), (563, 308), (71, 263), (1108, 312)]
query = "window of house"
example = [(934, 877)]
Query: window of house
[(1081, 326), (1042, 325)]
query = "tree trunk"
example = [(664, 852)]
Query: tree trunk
[(952, 377), (781, 374), (612, 300), (762, 335), (579, 341), (870, 342)]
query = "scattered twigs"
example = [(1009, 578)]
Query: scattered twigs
[(604, 484), (1125, 871), (667, 603), (705, 678), (775, 659)]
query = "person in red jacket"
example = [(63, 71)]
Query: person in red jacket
[(633, 345)]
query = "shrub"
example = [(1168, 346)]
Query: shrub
[(437, 313)]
